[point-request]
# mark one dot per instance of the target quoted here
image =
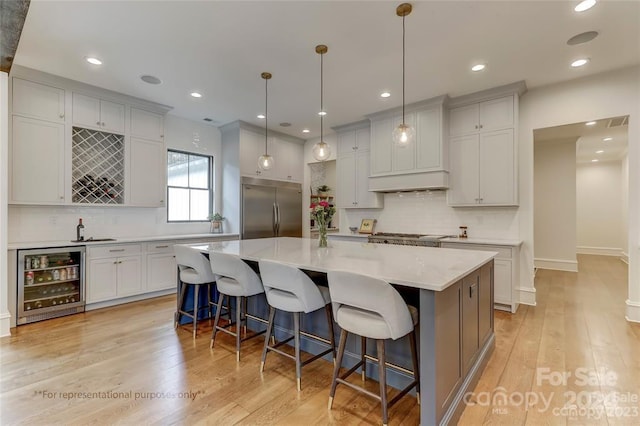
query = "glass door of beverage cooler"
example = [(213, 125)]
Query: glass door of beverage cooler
[(50, 283)]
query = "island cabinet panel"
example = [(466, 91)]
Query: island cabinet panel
[(469, 297), (485, 303), (448, 346)]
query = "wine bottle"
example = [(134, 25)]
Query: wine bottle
[(80, 231)]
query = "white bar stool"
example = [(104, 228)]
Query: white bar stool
[(194, 270), (236, 279), (373, 309), (289, 289)]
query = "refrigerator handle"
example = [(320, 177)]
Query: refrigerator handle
[(275, 219), (278, 219)]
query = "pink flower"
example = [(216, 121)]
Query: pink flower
[(312, 206), (324, 204)]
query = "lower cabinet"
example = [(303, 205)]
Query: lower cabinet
[(113, 272), (161, 266), (469, 301)]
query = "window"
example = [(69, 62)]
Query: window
[(189, 187)]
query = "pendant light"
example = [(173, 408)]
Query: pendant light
[(321, 150), (403, 134), (265, 162)]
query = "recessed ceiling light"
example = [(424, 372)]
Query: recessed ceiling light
[(322, 113), (584, 5), (579, 62), (151, 79), (599, 151), (590, 123), (305, 130), (607, 139), (94, 61), (582, 38), (261, 116), (594, 161), (196, 95), (478, 67), (385, 94)]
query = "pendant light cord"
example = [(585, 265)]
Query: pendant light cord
[(321, 96), (403, 122), (266, 116)]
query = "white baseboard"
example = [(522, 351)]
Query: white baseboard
[(633, 311), (624, 257), (527, 296), (600, 251), (5, 325), (557, 265)]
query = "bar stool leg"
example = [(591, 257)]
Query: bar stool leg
[(272, 316), (244, 308), (332, 337), (238, 325), (195, 309), (382, 373), (216, 321), (414, 357), (183, 290), (296, 330), (209, 302), (336, 368), (363, 346)]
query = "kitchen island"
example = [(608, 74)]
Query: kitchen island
[(454, 291)]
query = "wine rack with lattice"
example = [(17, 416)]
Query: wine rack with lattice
[(97, 167)]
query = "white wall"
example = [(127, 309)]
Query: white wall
[(624, 186), (5, 317), (555, 204), (610, 94), (56, 223), (600, 226)]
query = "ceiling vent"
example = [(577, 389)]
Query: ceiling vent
[(618, 121)]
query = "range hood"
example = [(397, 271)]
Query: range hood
[(409, 182)]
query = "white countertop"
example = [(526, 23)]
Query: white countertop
[(488, 241), (419, 267), (119, 240)]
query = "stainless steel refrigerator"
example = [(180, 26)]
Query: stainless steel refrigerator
[(270, 209)]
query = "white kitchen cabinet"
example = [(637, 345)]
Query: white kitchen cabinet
[(37, 161), (494, 114), (506, 271), (161, 266), (147, 125), (482, 170), (352, 168), (114, 271), (94, 113), (147, 178), (37, 100), (289, 160), (287, 157)]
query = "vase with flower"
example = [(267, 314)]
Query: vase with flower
[(322, 213)]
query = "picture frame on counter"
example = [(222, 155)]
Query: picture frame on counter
[(366, 226)]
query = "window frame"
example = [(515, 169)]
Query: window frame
[(210, 173)]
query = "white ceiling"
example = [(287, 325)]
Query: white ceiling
[(219, 48)]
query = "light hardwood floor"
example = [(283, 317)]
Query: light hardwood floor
[(128, 365)]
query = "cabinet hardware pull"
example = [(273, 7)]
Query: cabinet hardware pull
[(481, 126), (103, 123), (115, 250), (98, 123), (476, 126), (472, 289), (162, 246), (61, 115)]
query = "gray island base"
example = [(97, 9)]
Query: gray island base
[(452, 288)]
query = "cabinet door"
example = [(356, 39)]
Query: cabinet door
[(381, 146), (147, 125), (295, 162), (147, 180), (129, 276), (102, 280), (86, 111), (161, 271), (346, 142), (463, 171), (429, 140), (502, 282), (496, 114), (364, 198), (346, 178), (497, 168), (251, 148), (485, 303), (37, 161), (469, 319), (38, 100), (112, 117), (464, 120), (404, 156), (363, 139)]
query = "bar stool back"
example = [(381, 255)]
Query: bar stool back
[(238, 280), (371, 308), (194, 270), (290, 290)]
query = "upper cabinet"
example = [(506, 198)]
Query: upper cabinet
[(147, 178), (422, 164), (37, 100), (353, 168), (94, 113), (147, 125), (483, 148)]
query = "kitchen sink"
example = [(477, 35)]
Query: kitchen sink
[(93, 240)]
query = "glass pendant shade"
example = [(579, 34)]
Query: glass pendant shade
[(265, 162), (403, 135), (321, 151)]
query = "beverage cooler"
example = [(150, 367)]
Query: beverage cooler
[(50, 283)]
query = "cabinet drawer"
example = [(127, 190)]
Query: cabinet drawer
[(113, 251), (503, 252), (159, 247)]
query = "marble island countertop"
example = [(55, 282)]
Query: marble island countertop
[(419, 267)]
